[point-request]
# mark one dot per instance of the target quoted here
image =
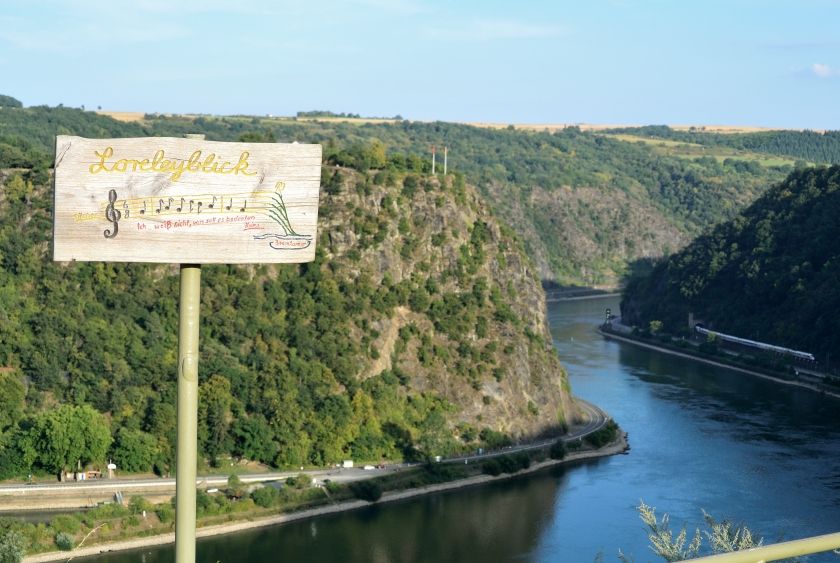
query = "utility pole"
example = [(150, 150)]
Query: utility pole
[(433, 160), (445, 154)]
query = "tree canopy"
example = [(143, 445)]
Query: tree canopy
[(769, 274)]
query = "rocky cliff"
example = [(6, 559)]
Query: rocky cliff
[(472, 327)]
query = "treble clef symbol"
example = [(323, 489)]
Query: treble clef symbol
[(112, 214)]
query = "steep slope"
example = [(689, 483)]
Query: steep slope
[(471, 324), (771, 273)]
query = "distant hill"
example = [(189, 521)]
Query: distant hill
[(772, 273), (585, 203)]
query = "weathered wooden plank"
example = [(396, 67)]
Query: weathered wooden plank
[(190, 201)]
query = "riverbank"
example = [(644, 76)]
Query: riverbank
[(619, 446), (688, 355)]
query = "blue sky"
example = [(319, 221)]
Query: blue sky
[(743, 62)]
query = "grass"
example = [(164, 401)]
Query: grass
[(680, 149)]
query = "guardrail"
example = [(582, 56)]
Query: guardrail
[(777, 551)]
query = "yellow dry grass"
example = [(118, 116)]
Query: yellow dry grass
[(124, 115), (138, 116), (356, 120), (604, 126)]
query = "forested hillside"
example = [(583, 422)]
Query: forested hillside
[(419, 330), (770, 274), (584, 204)]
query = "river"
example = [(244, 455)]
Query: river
[(702, 438)]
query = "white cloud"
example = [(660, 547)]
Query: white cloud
[(491, 30), (824, 71)]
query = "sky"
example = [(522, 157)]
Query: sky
[(736, 62)]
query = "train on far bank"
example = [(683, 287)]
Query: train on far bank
[(798, 354)]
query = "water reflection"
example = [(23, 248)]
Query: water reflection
[(495, 523)]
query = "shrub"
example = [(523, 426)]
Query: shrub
[(165, 513), (493, 439), (204, 503), (302, 481), (491, 467), (558, 450), (66, 523), (64, 541), (366, 490), (265, 496), (139, 504), (603, 436), (235, 488), (11, 547)]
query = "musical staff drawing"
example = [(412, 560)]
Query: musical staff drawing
[(265, 203), (269, 205)]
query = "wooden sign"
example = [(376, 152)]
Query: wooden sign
[(189, 201)]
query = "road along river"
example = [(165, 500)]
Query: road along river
[(702, 438)]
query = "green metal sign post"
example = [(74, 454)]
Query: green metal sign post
[(187, 459)]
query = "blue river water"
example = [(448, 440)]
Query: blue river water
[(702, 438)]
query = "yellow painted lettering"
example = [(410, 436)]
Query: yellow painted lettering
[(242, 165), (97, 167), (192, 163), (207, 167)]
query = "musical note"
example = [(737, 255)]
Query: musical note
[(160, 205), (199, 207), (142, 211), (191, 205), (244, 205), (213, 203), (169, 204), (229, 204), (125, 206), (112, 214), (178, 209)]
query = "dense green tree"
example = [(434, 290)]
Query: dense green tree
[(9, 102), (68, 435), (12, 393), (135, 450), (214, 416), (253, 439)]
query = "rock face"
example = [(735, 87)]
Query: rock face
[(593, 230), (471, 326)]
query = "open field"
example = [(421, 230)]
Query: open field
[(681, 149), (606, 126), (126, 116), (138, 116)]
